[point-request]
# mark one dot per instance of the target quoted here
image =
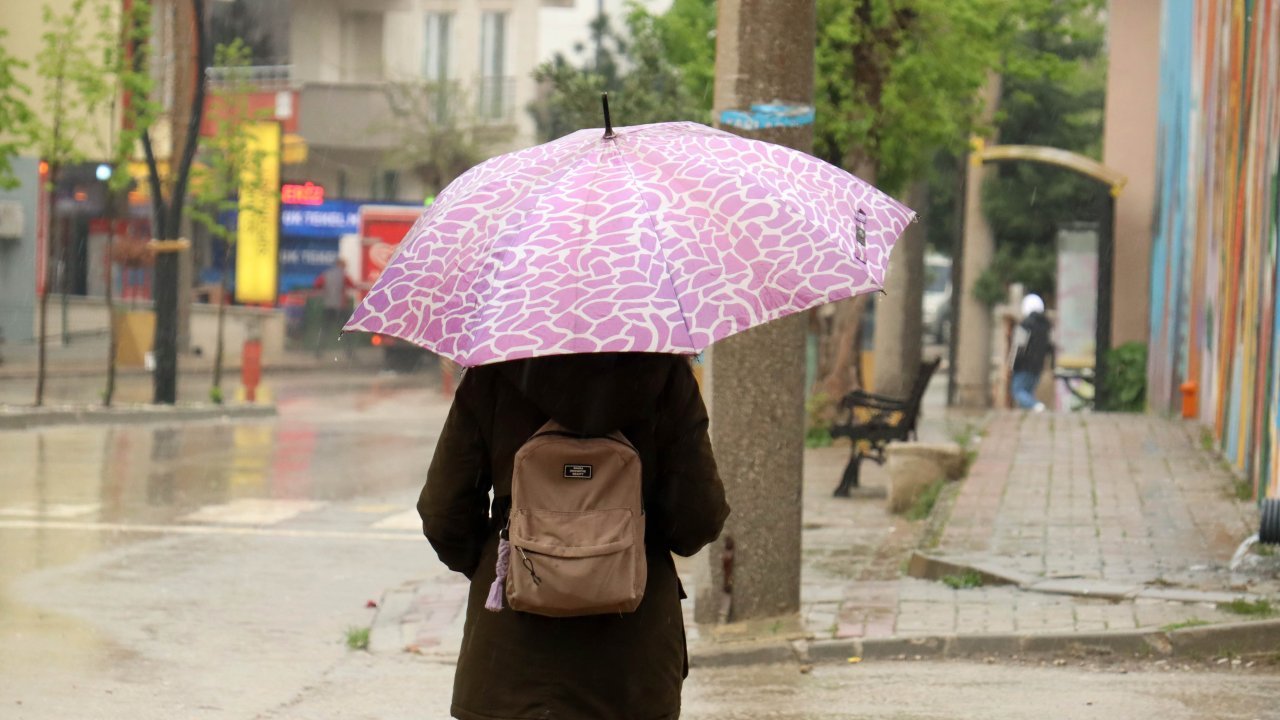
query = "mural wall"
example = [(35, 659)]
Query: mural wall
[(1214, 319)]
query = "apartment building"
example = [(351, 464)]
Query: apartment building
[(378, 77)]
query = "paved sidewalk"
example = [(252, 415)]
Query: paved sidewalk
[(1075, 505), (1104, 506)]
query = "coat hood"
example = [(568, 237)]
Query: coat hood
[(592, 393)]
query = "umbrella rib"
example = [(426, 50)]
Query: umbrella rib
[(657, 239), (532, 190)]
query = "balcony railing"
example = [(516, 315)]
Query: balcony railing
[(263, 77), (496, 100)]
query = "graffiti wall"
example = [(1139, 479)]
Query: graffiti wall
[(1214, 320)]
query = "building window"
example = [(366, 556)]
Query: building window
[(362, 47), (493, 66), (390, 184), (435, 63), (435, 60)]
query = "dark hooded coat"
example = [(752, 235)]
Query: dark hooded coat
[(604, 667)]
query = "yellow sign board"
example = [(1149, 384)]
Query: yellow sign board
[(258, 226)]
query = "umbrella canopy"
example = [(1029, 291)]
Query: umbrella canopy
[(657, 238)]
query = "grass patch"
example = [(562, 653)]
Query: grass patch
[(964, 581), (358, 638), (1257, 608), (1193, 622), (923, 506), (817, 437), (1265, 550), (818, 411), (1207, 442), (1241, 489)]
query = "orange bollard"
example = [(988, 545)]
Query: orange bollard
[(1189, 404), (251, 368)]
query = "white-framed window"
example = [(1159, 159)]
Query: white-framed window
[(362, 46), (438, 47), (494, 77)]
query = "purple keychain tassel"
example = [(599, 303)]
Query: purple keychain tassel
[(494, 603)]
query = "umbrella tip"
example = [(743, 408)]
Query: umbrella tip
[(608, 122)]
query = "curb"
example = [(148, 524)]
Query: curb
[(83, 372), (1228, 639), (932, 567), (129, 415)]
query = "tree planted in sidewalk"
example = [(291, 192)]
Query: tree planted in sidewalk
[(77, 92), (168, 197), (897, 81), (231, 162), (126, 59)]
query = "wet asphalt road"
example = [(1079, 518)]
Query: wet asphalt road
[(212, 570)]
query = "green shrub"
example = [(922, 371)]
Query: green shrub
[(1126, 381)]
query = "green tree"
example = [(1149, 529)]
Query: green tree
[(435, 130), (78, 87), (634, 66), (897, 81), (1053, 94), (14, 113), (230, 162), (126, 62), (687, 31)]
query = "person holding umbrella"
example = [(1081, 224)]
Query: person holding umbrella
[(518, 664), (575, 280)]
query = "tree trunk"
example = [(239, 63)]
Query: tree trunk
[(840, 361), (898, 317), (110, 390), (167, 268), (764, 53), (973, 325), (62, 284), (222, 314), (41, 347), (840, 351)]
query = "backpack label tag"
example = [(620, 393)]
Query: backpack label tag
[(578, 472)]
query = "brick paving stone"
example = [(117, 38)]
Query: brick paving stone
[(1123, 500)]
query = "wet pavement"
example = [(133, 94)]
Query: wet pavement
[(208, 565), (213, 569)]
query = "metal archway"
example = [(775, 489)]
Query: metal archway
[(1115, 181)]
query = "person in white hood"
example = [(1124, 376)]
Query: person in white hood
[(1032, 346)]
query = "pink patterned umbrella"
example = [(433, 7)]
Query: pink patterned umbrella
[(659, 238)]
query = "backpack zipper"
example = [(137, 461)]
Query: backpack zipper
[(528, 565)]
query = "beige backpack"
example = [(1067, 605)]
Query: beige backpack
[(574, 541)]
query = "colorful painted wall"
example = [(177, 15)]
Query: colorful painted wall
[(1214, 319)]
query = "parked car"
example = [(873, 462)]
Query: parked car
[(936, 303)]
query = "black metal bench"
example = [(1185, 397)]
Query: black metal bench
[(873, 421)]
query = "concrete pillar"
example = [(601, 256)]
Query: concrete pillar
[(764, 53), (1129, 145), (973, 326), (898, 341)]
